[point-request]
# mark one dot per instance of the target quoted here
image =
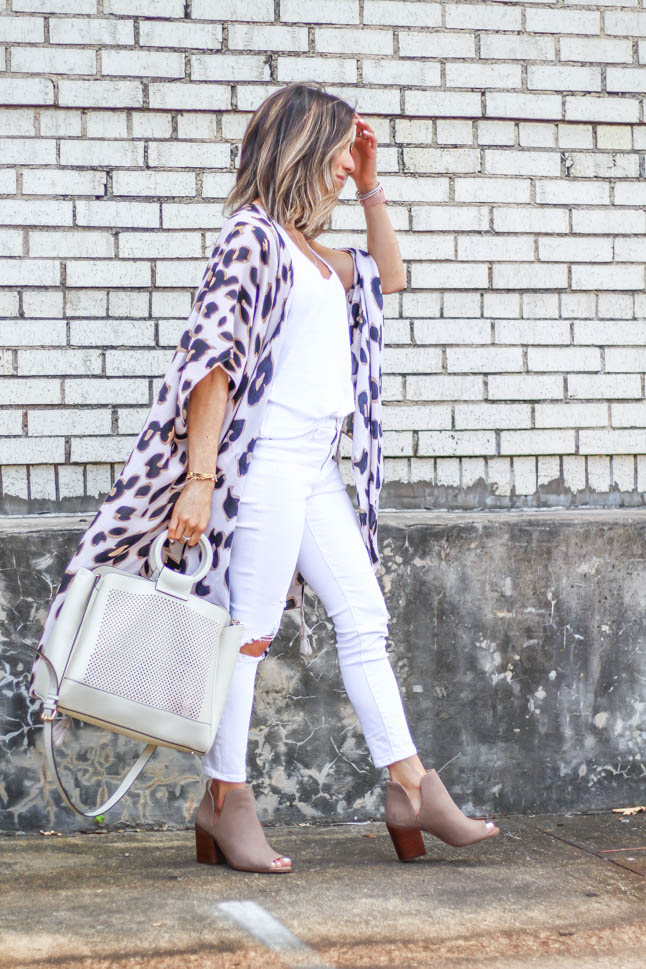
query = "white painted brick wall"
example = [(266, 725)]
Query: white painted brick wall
[(512, 145)]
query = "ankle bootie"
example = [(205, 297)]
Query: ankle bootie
[(233, 836), (439, 815)]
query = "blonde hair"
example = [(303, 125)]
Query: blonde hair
[(286, 157)]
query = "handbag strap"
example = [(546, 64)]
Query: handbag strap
[(122, 789), (48, 715)]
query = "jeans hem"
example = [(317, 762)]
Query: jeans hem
[(229, 780), (408, 752)]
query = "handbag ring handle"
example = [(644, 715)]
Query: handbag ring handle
[(206, 555)]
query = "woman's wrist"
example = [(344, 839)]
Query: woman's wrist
[(205, 484), (376, 196), (363, 188), (193, 475)]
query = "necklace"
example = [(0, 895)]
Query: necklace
[(318, 262)]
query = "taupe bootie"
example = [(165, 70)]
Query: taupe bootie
[(439, 815), (233, 835)]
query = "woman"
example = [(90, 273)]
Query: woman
[(243, 443)]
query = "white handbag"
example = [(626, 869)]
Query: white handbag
[(142, 657)]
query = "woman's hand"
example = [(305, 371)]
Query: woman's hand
[(364, 155), (191, 512)]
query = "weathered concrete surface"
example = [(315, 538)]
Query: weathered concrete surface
[(478, 496), (518, 639), (524, 899)]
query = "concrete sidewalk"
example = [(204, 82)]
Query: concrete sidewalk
[(548, 892)]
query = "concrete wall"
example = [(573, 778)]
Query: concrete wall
[(519, 641), (512, 150)]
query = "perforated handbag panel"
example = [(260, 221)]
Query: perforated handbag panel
[(154, 650)]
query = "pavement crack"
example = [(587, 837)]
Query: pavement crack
[(596, 853)]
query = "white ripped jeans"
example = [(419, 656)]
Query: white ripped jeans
[(295, 512)]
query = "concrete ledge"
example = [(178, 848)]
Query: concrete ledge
[(44, 522), (518, 638)]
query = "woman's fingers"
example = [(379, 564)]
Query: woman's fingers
[(190, 516), (173, 525), (179, 531), (365, 128), (184, 533), (188, 532), (367, 142), (180, 528)]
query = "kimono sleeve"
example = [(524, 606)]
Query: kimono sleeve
[(365, 323), (219, 327)]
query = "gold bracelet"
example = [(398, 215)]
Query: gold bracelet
[(201, 476)]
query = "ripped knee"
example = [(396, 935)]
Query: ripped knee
[(257, 647)]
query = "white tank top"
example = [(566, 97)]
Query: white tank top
[(313, 378)]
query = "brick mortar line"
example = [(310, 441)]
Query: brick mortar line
[(390, 116)]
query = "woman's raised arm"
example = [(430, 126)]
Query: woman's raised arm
[(382, 241), (381, 238)]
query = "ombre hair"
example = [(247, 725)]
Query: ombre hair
[(286, 157)]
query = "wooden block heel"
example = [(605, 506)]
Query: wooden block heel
[(206, 850), (408, 842), (233, 835)]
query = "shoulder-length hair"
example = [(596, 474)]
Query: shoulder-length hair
[(286, 156)]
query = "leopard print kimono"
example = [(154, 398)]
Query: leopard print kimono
[(236, 321)]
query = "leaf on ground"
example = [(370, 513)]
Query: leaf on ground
[(630, 810), (47, 834), (367, 834)]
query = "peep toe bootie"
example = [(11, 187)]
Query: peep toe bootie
[(234, 836), (439, 815)]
